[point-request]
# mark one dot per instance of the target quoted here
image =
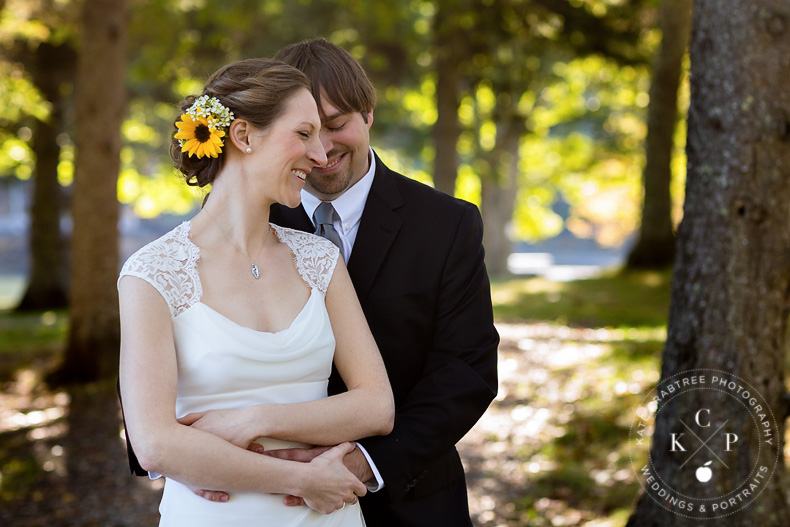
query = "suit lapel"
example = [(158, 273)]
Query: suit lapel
[(378, 228)]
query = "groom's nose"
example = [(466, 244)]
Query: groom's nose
[(326, 142)]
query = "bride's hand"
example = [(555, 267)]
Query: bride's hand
[(331, 485), (230, 425)]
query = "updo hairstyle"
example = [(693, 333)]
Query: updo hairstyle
[(256, 90)]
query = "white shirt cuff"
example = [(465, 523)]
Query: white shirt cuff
[(379, 481)]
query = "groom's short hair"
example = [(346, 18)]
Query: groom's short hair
[(332, 72)]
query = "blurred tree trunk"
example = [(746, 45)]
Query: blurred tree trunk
[(655, 246), (731, 283), (446, 130), (498, 194), (94, 335), (52, 67)]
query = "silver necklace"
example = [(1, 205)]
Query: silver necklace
[(253, 268)]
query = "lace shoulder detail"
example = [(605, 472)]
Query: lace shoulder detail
[(315, 257), (169, 264)]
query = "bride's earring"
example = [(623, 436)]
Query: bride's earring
[(249, 150)]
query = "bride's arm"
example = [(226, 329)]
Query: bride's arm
[(148, 375), (366, 409)]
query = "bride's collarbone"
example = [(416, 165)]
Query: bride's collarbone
[(269, 303), (243, 287), (230, 288), (228, 267), (259, 308)]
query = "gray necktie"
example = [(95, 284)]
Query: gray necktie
[(324, 216)]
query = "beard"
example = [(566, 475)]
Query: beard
[(335, 183)]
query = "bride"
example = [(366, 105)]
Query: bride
[(227, 311)]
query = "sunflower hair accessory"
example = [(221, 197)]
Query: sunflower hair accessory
[(202, 127)]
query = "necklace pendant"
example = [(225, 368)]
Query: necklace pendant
[(255, 272)]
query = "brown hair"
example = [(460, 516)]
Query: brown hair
[(333, 72), (256, 90)]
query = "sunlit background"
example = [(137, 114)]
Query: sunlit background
[(571, 77)]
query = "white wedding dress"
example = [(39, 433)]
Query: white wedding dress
[(224, 365)]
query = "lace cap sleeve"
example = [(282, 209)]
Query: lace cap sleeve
[(315, 257), (169, 264)]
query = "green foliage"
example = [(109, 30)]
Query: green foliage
[(575, 74), (18, 96), (148, 182), (31, 22), (678, 166), (541, 64), (587, 130), (19, 100), (178, 44), (24, 25)]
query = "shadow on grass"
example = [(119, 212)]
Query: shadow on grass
[(32, 417), (590, 474), (63, 460), (589, 382), (20, 468), (30, 340), (626, 299)]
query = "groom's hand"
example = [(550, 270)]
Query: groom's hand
[(211, 495), (357, 464), (303, 455), (354, 461)]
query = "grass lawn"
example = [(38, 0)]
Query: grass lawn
[(616, 300)]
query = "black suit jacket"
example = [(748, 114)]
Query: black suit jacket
[(417, 266)]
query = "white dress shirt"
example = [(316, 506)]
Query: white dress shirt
[(349, 206)]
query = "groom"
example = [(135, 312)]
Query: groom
[(415, 256)]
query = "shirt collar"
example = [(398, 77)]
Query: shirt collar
[(350, 204)]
